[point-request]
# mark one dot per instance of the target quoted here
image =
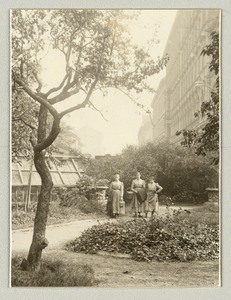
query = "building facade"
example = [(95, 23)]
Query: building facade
[(188, 81)]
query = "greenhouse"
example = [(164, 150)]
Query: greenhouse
[(65, 172)]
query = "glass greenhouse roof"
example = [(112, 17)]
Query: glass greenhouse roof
[(66, 172)]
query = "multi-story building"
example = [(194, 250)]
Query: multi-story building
[(145, 131), (188, 81)]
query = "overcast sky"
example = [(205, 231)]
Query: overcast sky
[(123, 117)]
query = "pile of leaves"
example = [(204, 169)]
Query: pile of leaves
[(168, 238)]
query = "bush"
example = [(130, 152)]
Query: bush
[(181, 173), (20, 217), (73, 199), (170, 238), (91, 206), (52, 273)]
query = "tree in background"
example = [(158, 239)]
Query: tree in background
[(207, 140), (183, 175), (98, 55)]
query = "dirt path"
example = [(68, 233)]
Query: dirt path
[(114, 271), (57, 234)]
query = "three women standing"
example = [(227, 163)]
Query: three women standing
[(145, 198)]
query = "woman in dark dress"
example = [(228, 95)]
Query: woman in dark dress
[(116, 192)]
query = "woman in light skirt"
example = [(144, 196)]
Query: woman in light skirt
[(152, 203)]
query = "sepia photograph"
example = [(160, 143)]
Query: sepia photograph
[(115, 148)]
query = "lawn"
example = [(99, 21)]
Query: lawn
[(112, 271), (123, 272)]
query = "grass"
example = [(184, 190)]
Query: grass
[(207, 214), (53, 273), (121, 272), (57, 214)]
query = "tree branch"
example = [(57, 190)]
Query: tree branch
[(95, 108), (65, 94), (53, 90), (37, 98), (27, 124), (133, 100), (32, 141), (38, 90), (84, 103)]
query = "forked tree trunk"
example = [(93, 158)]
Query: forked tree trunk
[(39, 242)]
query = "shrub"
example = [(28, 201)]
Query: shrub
[(181, 172), (20, 217), (169, 238), (91, 206), (52, 273), (73, 199)]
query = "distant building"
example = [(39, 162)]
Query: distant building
[(98, 157), (188, 81), (91, 140), (145, 132), (160, 114)]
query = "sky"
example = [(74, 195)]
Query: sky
[(123, 118)]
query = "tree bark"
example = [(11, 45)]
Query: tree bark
[(39, 241)]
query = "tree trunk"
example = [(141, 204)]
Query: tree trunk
[(39, 242)]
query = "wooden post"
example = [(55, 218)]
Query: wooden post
[(28, 194)]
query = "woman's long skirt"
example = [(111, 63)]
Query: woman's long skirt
[(152, 202), (137, 207), (113, 204)]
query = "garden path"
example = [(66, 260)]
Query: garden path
[(58, 234)]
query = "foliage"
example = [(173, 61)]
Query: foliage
[(207, 139), (83, 196), (59, 214), (91, 206), (52, 274), (167, 238), (72, 199), (104, 167), (96, 48), (98, 54), (84, 189), (20, 218), (181, 173), (24, 112)]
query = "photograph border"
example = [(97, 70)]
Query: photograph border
[(222, 292)]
